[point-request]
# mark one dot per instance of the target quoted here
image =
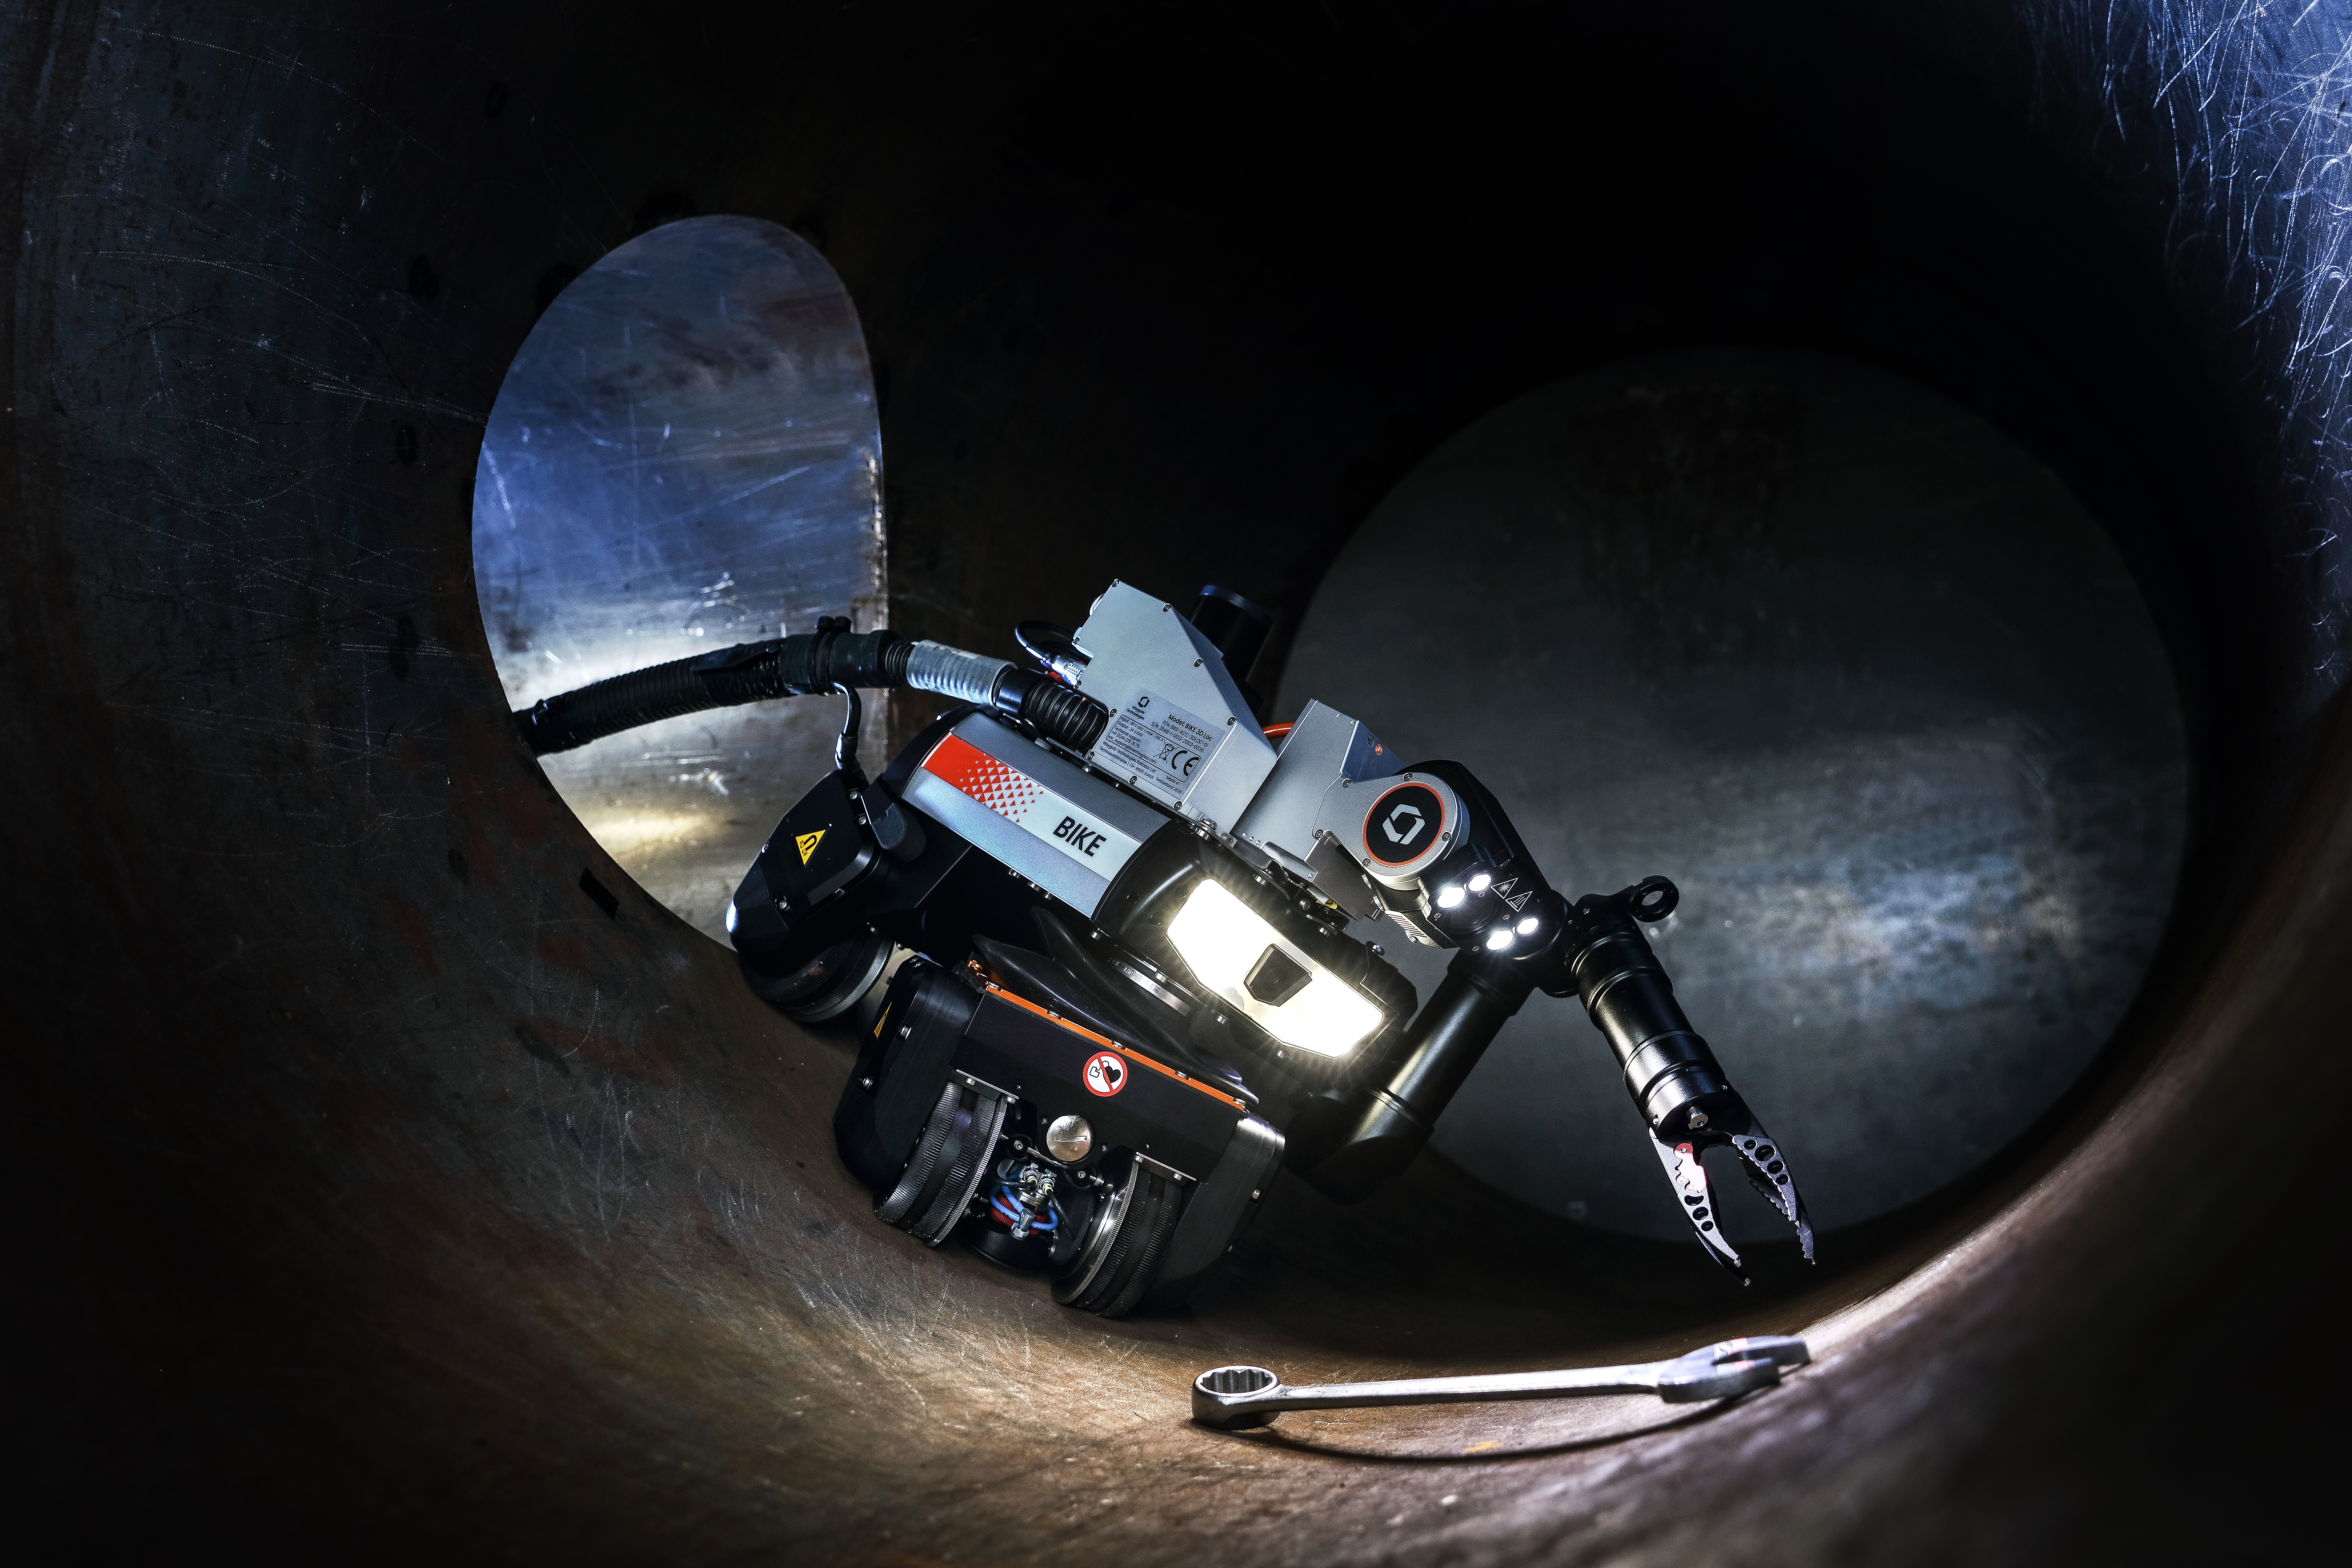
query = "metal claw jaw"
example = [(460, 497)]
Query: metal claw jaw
[(1767, 1169), (1732, 1127), (1688, 1175), (1677, 1085)]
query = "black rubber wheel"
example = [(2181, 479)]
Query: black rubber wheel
[(946, 1168), (828, 984), (1122, 1257)]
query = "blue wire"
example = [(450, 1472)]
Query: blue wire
[(1011, 1211)]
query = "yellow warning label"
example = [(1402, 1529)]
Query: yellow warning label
[(807, 842)]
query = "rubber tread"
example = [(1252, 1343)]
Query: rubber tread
[(851, 982), (1154, 1248), (921, 1167), (1104, 1285), (976, 1125), (1127, 1248), (1074, 1283), (1134, 1252)]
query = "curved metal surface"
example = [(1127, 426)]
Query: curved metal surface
[(1854, 670), (378, 1190), (683, 454)]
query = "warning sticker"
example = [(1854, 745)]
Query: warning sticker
[(1160, 744)]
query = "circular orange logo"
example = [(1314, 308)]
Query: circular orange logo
[(1403, 823)]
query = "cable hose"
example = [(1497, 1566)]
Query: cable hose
[(952, 672), (623, 702), (804, 665), (1072, 718), (797, 665)]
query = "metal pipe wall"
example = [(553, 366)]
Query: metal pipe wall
[(393, 1176)]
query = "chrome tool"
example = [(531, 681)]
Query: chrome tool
[(1235, 1396)]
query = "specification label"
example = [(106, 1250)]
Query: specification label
[(1159, 743)]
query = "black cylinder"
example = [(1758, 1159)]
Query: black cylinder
[(1387, 1124), (1669, 1069), (1236, 626)]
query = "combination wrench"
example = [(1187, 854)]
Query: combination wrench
[(1234, 1397)]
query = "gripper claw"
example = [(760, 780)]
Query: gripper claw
[(1680, 1089), (1734, 1127), (1688, 1174), (1767, 1169)]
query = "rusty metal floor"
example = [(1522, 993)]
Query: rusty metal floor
[(391, 1177)]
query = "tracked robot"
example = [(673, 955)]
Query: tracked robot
[(1109, 919)]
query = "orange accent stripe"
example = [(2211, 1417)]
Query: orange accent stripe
[(953, 759), (1128, 1051), (1276, 731), (1000, 786)]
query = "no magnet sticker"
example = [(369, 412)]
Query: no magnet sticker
[(1106, 1073)]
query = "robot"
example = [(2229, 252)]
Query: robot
[(1106, 914)]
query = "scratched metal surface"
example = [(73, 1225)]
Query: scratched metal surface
[(683, 455), (1862, 677), (376, 1193)]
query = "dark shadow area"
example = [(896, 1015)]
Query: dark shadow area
[(1485, 1452)]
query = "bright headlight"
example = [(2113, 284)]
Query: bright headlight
[(1226, 944)]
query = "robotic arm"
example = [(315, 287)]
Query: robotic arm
[(1431, 849)]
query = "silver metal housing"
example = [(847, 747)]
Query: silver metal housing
[(1045, 819), (1181, 731), (1286, 819)]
